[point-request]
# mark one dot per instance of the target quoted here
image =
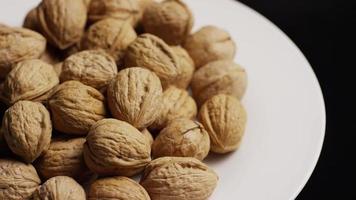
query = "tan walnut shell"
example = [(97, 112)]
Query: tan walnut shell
[(75, 107), (18, 180), (178, 178), (170, 20), (117, 187), (209, 44), (151, 52), (145, 132), (60, 188), (18, 44), (187, 67), (114, 147), (182, 138), (62, 21), (224, 118), (134, 96), (94, 68), (219, 77), (27, 129)]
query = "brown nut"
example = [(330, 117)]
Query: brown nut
[(114, 36), (224, 118), (134, 96), (27, 129), (188, 179), (219, 77), (18, 180), (18, 44), (114, 147), (94, 68), (117, 187), (145, 132), (76, 107), (31, 21), (170, 20), (209, 44), (151, 52), (60, 188), (62, 21), (187, 67), (182, 138)]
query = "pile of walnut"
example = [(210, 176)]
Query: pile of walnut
[(84, 86)]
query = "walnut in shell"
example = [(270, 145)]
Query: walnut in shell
[(134, 96), (189, 179), (27, 129), (224, 118), (209, 44), (76, 107), (219, 77), (18, 180), (187, 67), (114, 147), (117, 187)]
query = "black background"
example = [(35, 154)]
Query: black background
[(323, 30)]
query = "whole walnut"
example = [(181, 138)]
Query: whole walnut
[(209, 44), (170, 20), (60, 188), (182, 138), (114, 147), (187, 67), (75, 107), (29, 80), (219, 77), (18, 44), (149, 51), (112, 35), (62, 21), (117, 187), (18, 180), (94, 68), (31, 21), (224, 118), (176, 103), (134, 96), (27, 129), (183, 178)]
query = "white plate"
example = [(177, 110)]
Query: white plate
[(286, 115)]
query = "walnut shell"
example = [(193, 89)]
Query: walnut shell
[(62, 21), (134, 96), (29, 80), (209, 44), (31, 21), (219, 77), (114, 147), (151, 52), (117, 187), (18, 44), (60, 188), (76, 107), (114, 36), (182, 138), (94, 68), (170, 20), (18, 180), (187, 67), (27, 129), (183, 178), (145, 132), (224, 118)]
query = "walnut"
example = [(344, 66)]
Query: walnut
[(145, 132), (170, 20), (27, 129), (76, 107), (224, 118), (134, 95), (62, 21), (31, 21), (187, 67), (115, 147), (209, 44), (18, 180), (219, 77), (183, 178), (117, 187)]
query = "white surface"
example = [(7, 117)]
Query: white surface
[(286, 115)]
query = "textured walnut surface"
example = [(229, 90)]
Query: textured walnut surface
[(187, 67)]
